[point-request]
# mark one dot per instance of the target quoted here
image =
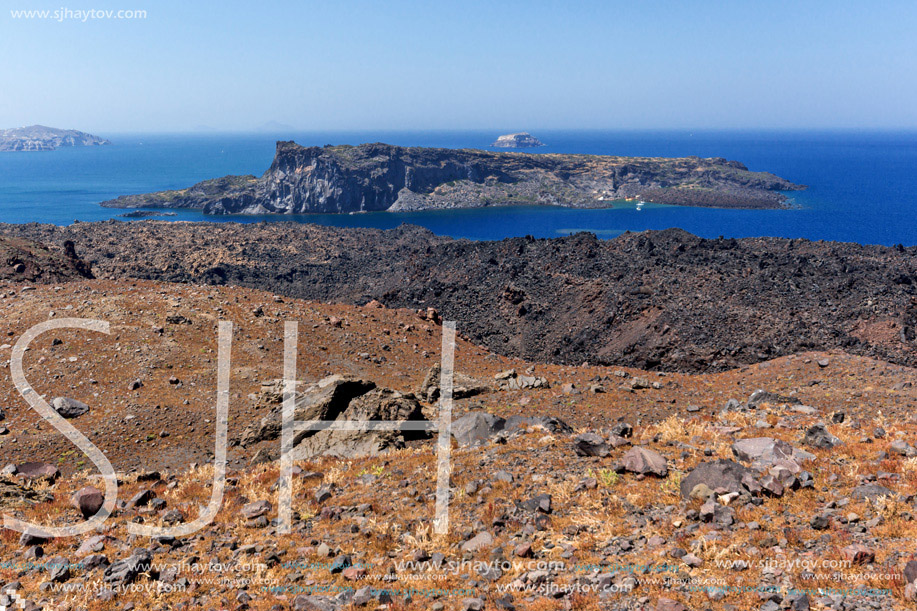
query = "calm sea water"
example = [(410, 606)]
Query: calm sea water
[(862, 186)]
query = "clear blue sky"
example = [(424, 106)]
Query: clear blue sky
[(499, 64)]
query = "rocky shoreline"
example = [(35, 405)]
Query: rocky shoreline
[(378, 177)]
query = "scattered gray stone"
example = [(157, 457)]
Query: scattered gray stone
[(69, 408), (256, 509), (820, 522), (472, 604), (910, 572), (902, 448), (766, 451), (541, 503), (719, 474), (262, 456), (58, 569), (721, 515), (476, 428), (590, 444), (510, 380), (763, 396), (479, 541), (638, 383), (667, 604), (323, 493), (871, 491), (645, 461), (463, 385), (126, 571), (324, 400), (31, 537), (313, 603), (503, 476), (377, 404), (817, 436), (548, 423), (141, 499)]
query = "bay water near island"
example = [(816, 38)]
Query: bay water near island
[(862, 185)]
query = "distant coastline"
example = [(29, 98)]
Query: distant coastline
[(42, 138)]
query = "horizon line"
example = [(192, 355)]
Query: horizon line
[(498, 131)]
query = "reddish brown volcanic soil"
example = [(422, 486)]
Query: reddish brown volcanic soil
[(629, 508), (375, 513), (394, 348)]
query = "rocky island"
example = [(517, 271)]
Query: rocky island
[(41, 138), (517, 141), (378, 177)]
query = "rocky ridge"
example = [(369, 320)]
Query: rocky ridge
[(656, 300)]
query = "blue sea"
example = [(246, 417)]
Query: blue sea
[(862, 185)]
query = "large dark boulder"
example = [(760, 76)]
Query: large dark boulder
[(378, 404), (476, 428), (88, 501), (590, 444), (324, 400)]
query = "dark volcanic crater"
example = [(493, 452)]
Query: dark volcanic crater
[(656, 300)]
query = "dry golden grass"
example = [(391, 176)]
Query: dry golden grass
[(587, 521)]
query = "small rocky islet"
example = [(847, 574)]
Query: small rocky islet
[(518, 140)]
